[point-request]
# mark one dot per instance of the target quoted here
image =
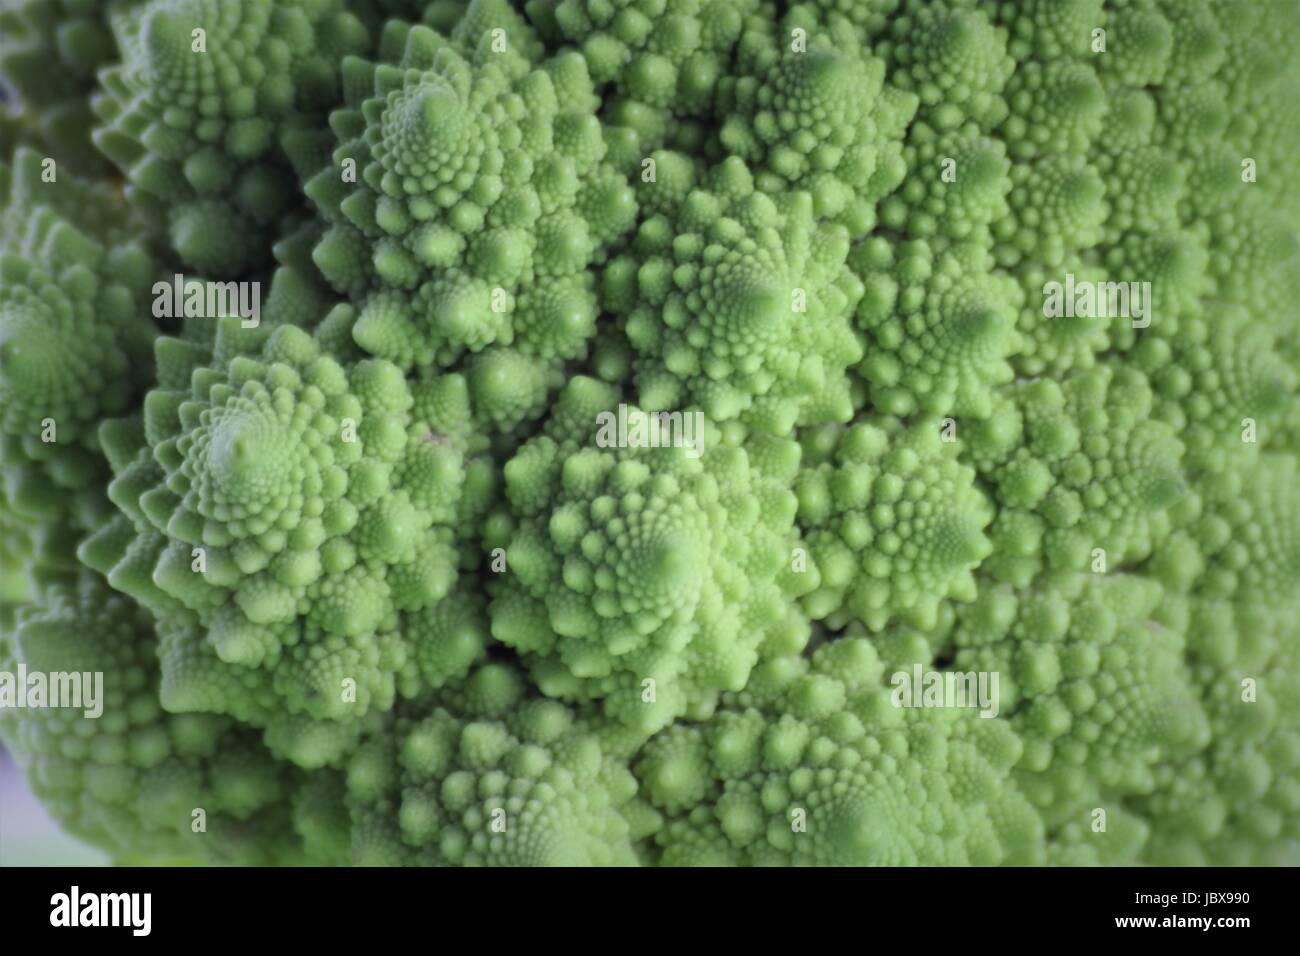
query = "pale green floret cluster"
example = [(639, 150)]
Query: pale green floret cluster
[(737, 301), (813, 765), (1095, 684), (75, 341), (654, 432), (50, 52), (1082, 472), (293, 510), (467, 201), (658, 63), (148, 785), (646, 578), (893, 520), (818, 120), (194, 112), (491, 775), (938, 327)]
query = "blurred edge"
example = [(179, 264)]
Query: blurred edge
[(28, 836)]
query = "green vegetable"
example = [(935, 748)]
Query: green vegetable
[(653, 432)]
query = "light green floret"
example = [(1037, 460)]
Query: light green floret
[(1192, 118), (1238, 537), (1221, 382), (1261, 48), (956, 186), (819, 120), (812, 764), (1237, 802), (147, 786), (50, 51), (1077, 838), (477, 198), (1139, 45), (850, 21), (658, 63), (1144, 189), (194, 119), (75, 336), (1175, 263), (1254, 259), (494, 23), (296, 510), (37, 553), (1049, 30), (893, 524), (738, 302), (1130, 125), (1234, 563), (1092, 682), (1081, 473), (489, 775), (1267, 134), (952, 57), (1199, 45), (1052, 343), (1057, 107), (645, 576), (1057, 206), (938, 326), (74, 330)]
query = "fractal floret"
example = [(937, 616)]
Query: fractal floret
[(653, 432), (814, 765), (148, 784), (491, 774), (632, 571), (293, 511), (468, 200), (894, 523), (819, 119), (736, 301), (193, 110), (50, 51), (76, 332)]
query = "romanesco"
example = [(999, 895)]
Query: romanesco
[(674, 432)]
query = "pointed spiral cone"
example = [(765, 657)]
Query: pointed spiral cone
[(247, 456)]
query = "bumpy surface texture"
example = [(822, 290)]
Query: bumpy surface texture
[(653, 432)]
